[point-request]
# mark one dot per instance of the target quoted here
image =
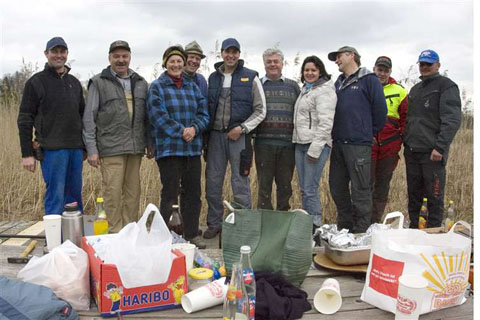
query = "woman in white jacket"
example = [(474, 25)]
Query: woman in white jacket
[(313, 121)]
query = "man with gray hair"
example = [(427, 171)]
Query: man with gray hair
[(194, 58), (274, 150)]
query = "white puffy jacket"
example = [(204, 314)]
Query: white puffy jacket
[(313, 116)]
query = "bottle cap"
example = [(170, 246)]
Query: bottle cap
[(175, 206), (450, 202), (99, 199), (245, 249), (425, 199)]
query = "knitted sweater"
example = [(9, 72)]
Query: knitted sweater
[(280, 96)]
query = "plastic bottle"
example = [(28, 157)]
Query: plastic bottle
[(175, 223), (248, 278), (235, 305), (422, 220), (450, 220), (100, 225)]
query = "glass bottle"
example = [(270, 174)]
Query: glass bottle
[(235, 305), (422, 220), (248, 278), (450, 220), (100, 224), (175, 223)]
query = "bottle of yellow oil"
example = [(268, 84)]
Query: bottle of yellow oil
[(422, 220), (100, 225)]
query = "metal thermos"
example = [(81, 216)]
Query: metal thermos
[(72, 224)]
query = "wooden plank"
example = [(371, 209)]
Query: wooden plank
[(10, 270), (34, 229), (16, 227), (7, 225)]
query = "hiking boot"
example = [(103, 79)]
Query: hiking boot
[(210, 233), (198, 241)]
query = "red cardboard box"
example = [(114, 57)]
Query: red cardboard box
[(112, 297)]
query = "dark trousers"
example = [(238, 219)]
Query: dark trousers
[(381, 175), (274, 163), (187, 172), (425, 178), (350, 185)]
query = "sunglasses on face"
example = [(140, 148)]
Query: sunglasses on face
[(425, 64)]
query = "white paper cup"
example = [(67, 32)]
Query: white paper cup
[(328, 299), (411, 290), (188, 250), (207, 296), (52, 224)]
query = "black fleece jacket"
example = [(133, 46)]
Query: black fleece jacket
[(53, 105)]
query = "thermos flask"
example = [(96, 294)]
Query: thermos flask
[(72, 224)]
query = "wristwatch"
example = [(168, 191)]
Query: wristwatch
[(244, 130)]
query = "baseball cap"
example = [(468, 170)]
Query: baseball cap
[(194, 48), (230, 42), (55, 42), (384, 61), (429, 56), (119, 44), (332, 56)]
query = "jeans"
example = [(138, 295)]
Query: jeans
[(222, 151), (309, 174), (425, 178), (187, 172), (62, 173), (350, 185), (274, 163)]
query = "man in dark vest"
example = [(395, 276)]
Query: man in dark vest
[(116, 133), (236, 104), (433, 118)]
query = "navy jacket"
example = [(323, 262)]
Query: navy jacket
[(361, 109), (241, 93)]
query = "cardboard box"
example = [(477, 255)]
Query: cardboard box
[(112, 297)]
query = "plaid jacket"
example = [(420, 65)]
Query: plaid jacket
[(170, 111)]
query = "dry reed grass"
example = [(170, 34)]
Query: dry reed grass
[(22, 192)]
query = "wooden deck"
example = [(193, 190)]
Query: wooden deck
[(351, 286)]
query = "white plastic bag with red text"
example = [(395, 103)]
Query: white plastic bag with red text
[(442, 259)]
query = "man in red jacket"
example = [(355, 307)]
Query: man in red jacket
[(388, 141)]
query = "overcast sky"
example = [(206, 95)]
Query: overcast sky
[(398, 29)]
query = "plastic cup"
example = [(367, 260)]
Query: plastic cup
[(328, 299), (188, 249), (411, 290), (207, 296), (52, 224)]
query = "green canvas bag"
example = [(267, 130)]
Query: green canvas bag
[(281, 241)]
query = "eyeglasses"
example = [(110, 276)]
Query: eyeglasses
[(425, 64)]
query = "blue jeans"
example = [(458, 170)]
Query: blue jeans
[(309, 174), (62, 173)]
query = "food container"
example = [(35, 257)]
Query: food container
[(356, 255), (199, 277), (347, 256)]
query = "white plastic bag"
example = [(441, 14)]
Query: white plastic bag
[(442, 259), (65, 271), (142, 258)]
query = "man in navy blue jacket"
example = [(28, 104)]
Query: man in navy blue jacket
[(361, 112)]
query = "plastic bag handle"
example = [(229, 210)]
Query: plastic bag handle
[(465, 224), (395, 214), (300, 211), (228, 206), (158, 224)]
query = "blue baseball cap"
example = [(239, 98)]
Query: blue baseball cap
[(230, 42), (428, 56), (55, 42)]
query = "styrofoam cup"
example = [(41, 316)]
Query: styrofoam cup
[(411, 290), (52, 223), (207, 296), (328, 299), (188, 249)]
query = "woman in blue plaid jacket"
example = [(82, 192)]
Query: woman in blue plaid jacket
[(178, 113)]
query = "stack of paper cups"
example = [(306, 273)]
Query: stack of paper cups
[(328, 299), (204, 297), (53, 230)]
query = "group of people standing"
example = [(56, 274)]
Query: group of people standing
[(360, 121)]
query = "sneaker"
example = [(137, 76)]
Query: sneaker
[(210, 233), (198, 241)]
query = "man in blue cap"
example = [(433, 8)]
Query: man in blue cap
[(50, 128), (236, 103), (433, 118)]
